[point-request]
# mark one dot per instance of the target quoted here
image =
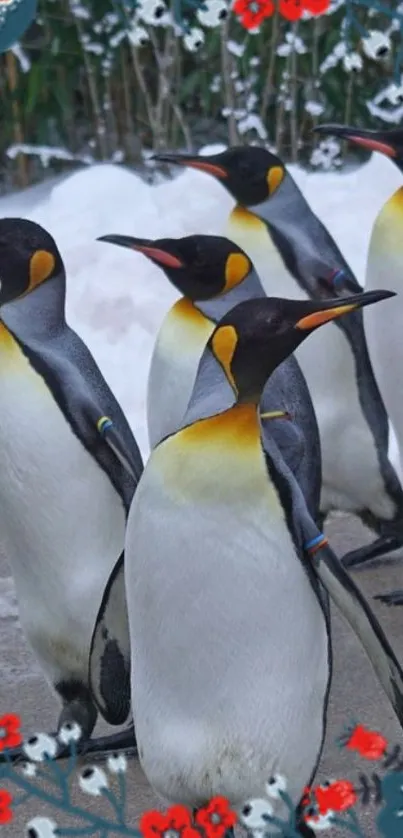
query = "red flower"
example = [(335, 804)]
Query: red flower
[(6, 814), (291, 9), (10, 735), (317, 7), (368, 743), (155, 824), (253, 12), (216, 817), (336, 797)]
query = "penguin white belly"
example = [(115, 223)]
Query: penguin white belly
[(62, 522), (351, 477), (177, 352), (230, 650), (385, 341)]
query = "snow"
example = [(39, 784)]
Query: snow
[(116, 299)]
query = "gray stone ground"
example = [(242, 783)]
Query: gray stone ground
[(355, 691)]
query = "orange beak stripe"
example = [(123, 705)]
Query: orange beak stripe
[(373, 145), (160, 256), (210, 168), (311, 321)]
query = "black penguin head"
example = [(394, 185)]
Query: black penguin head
[(200, 267), (386, 142), (249, 173), (28, 257), (257, 335)]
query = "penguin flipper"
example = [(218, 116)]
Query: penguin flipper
[(356, 610), (288, 437), (341, 588), (112, 437), (109, 663), (393, 598), (84, 397)]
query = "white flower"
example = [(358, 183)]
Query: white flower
[(314, 108), (320, 821), (352, 62), (256, 814), (40, 746), (69, 732), (292, 44), (28, 769), (283, 50), (327, 155), (236, 49), (117, 763), (214, 14), (92, 780), (41, 828), (194, 39), (377, 45), (394, 94), (152, 11), (275, 784), (138, 36)]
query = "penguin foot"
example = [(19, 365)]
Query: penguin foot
[(125, 741), (380, 547), (394, 598), (13, 755)]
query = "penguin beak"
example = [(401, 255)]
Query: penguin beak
[(326, 312), (201, 163), (372, 140), (145, 246)]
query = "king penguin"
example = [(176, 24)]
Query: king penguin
[(215, 274), (222, 557), (64, 491), (295, 255), (384, 264)]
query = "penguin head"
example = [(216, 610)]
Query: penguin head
[(250, 174), (257, 335), (28, 257), (200, 267), (389, 142)]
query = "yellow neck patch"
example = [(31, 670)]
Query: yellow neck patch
[(274, 177), (7, 342), (242, 217), (41, 266), (236, 270), (224, 344), (185, 311), (236, 428)]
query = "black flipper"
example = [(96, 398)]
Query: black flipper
[(109, 663), (381, 547), (393, 598), (340, 587)]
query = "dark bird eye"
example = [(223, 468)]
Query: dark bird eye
[(243, 167), (199, 259)]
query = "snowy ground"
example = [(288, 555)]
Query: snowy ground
[(116, 299)]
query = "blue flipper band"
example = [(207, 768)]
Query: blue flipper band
[(315, 543), (338, 277), (103, 424)]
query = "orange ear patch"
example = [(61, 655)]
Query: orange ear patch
[(41, 266), (224, 344), (275, 176), (236, 270)]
